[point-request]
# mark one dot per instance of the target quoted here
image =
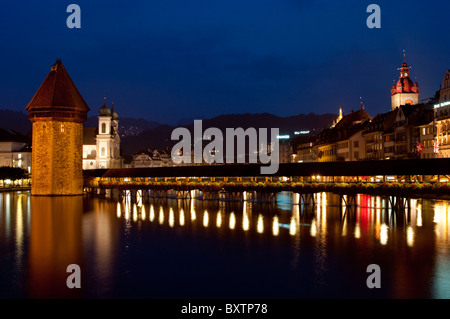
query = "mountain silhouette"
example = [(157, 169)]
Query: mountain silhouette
[(139, 134), (160, 137)]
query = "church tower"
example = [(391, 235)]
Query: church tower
[(405, 91), (57, 112), (108, 139)]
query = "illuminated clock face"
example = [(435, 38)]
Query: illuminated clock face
[(405, 74)]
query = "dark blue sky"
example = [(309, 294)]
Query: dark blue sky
[(170, 59)]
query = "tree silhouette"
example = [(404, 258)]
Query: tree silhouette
[(12, 173)]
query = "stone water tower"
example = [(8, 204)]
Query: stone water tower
[(57, 112)]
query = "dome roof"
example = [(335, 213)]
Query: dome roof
[(105, 110), (114, 114)]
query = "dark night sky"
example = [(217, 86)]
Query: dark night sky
[(170, 59)]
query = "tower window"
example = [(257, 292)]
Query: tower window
[(103, 127), (103, 152)]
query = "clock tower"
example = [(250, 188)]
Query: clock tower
[(405, 91)]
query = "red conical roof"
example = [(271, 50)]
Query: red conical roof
[(58, 98)]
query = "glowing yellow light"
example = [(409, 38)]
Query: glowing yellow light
[(275, 226), (232, 221), (135, 214), (292, 227), (193, 217), (119, 212), (205, 218), (152, 213), (19, 224), (410, 236), (419, 215), (344, 228), (161, 215), (219, 219), (260, 227), (182, 217), (143, 215), (357, 231), (324, 199), (384, 234), (313, 230), (139, 198), (245, 221), (127, 211), (171, 217), (437, 215)]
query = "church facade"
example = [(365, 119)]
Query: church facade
[(101, 144)]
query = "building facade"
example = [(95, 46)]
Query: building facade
[(152, 158), (101, 145), (15, 150), (344, 141)]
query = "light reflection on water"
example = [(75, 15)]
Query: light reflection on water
[(327, 246)]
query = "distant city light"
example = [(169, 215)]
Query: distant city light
[(301, 132), (283, 137), (441, 104)]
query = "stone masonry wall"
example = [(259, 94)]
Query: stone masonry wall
[(57, 158)]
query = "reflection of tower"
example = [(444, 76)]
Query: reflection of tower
[(57, 112), (405, 91), (55, 242)]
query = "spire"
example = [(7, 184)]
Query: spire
[(58, 98), (340, 115), (114, 114), (404, 84)]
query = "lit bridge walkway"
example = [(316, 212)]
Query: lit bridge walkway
[(397, 180)]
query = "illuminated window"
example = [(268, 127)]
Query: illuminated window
[(62, 128)]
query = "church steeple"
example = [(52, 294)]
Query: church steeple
[(405, 91)]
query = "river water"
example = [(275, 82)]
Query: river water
[(172, 249)]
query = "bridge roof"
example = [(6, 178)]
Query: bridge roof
[(357, 168)]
